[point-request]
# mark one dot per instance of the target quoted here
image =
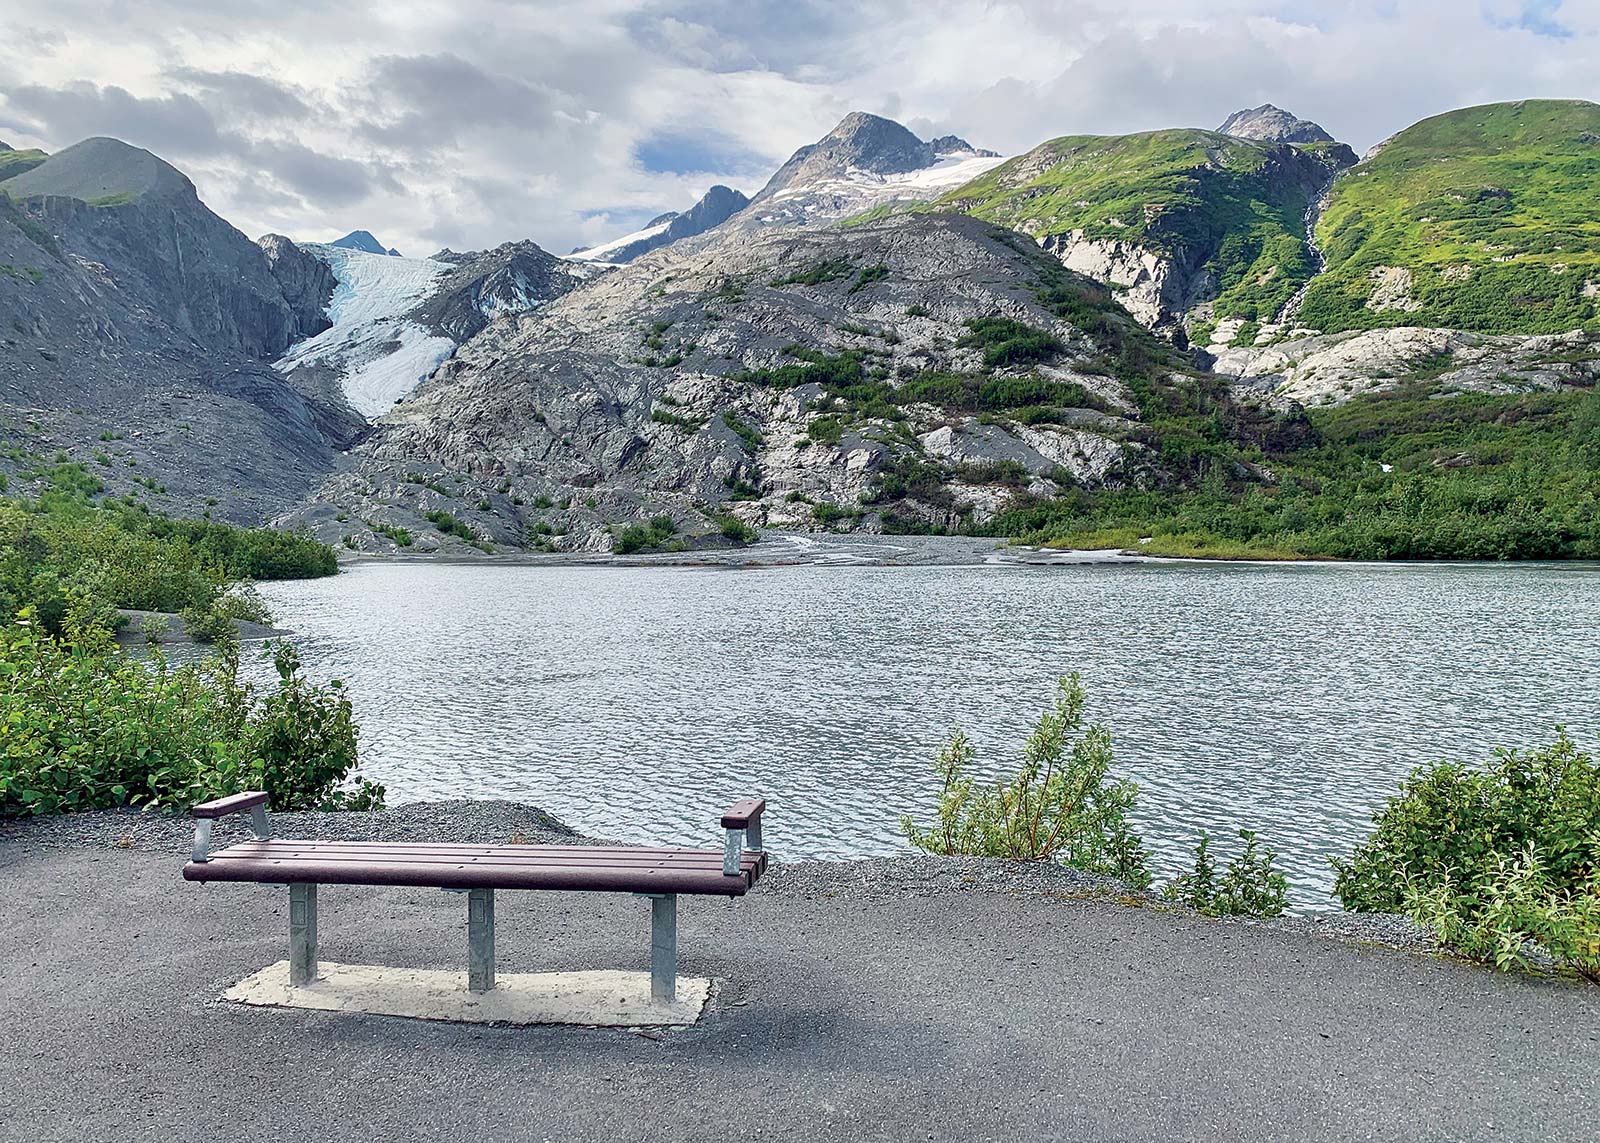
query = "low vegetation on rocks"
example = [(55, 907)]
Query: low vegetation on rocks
[(1408, 474), (1479, 219)]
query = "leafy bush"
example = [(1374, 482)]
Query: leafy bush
[(1061, 805), (1513, 905), (735, 529), (828, 270), (1248, 887), (88, 726), (1005, 341), (1493, 855), (645, 537), (868, 275)]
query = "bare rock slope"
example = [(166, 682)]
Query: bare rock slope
[(789, 378)]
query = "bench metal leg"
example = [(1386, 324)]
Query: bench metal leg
[(664, 948), (302, 934), (480, 940)]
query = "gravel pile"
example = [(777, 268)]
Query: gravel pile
[(473, 822), (470, 823)]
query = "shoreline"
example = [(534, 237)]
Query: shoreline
[(777, 549), (494, 821)]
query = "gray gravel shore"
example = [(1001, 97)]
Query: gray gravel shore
[(500, 821)]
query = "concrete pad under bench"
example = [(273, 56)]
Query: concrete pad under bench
[(612, 999)]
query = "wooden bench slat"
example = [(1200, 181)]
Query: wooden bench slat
[(456, 847), (232, 804), (611, 879), (288, 854)]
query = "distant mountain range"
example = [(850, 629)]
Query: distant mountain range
[(843, 348)]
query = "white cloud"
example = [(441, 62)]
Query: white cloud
[(438, 123)]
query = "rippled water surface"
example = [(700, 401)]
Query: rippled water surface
[(634, 702)]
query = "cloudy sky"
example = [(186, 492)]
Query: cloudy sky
[(470, 122)]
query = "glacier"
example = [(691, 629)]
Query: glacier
[(379, 354)]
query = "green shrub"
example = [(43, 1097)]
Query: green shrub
[(1512, 906), (451, 526), (1248, 887), (868, 275), (645, 537), (735, 529), (1005, 341), (1061, 805), (1483, 852), (88, 726), (828, 270)]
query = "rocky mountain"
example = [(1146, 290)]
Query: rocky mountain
[(912, 373), (865, 162), (390, 321), (715, 207), (1269, 124), (364, 241), (140, 326), (124, 206), (513, 278), (1187, 227), (307, 283)]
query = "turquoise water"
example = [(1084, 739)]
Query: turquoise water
[(634, 702)]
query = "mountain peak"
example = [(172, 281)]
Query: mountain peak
[(715, 207), (862, 142), (956, 145), (364, 241), (1270, 124), (101, 169)]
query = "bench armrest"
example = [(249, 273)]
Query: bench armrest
[(252, 802), (743, 823), (743, 812), (232, 804)]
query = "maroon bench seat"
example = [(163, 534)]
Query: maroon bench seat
[(478, 870), (437, 866)]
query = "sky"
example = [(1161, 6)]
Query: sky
[(467, 123)]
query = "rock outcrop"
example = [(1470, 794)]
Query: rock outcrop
[(139, 330), (513, 278), (121, 206), (364, 241), (1327, 369), (306, 281), (865, 162)]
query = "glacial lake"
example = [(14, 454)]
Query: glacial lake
[(634, 702)]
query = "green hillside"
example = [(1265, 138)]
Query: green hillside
[(15, 162), (1494, 211), (1230, 206)]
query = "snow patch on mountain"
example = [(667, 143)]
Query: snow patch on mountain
[(598, 253), (948, 172), (378, 353), (853, 190)]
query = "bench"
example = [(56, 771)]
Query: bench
[(478, 870)]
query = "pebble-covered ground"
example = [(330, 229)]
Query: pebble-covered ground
[(490, 822)]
